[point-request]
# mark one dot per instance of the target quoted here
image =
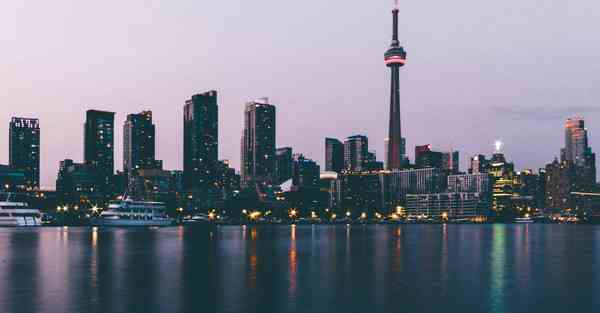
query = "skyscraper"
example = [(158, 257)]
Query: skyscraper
[(201, 141), (258, 143), (139, 140), (24, 149), (334, 155), (395, 57), (356, 153), (306, 172), (578, 152), (283, 164), (99, 144)]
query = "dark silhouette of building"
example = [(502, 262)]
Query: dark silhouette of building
[(258, 143), (560, 183), (283, 164), (200, 142), (24, 149), (425, 157), (334, 155), (77, 184), (11, 179), (479, 164), (139, 143), (395, 57), (356, 153), (99, 144), (306, 172), (578, 152)]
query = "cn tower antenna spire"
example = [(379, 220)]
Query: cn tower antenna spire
[(395, 58)]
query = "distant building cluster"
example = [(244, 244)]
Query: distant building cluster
[(278, 181)]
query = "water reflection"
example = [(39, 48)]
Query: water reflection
[(288, 269), (497, 280)]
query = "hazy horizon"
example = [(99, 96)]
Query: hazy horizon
[(476, 72)]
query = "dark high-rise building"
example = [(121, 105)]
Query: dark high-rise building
[(450, 162), (139, 143), (283, 164), (578, 152), (12, 179), (479, 164), (395, 57), (560, 183), (425, 157), (258, 143), (201, 141), (356, 153), (77, 184), (334, 155), (99, 143), (447, 162), (306, 172), (24, 149)]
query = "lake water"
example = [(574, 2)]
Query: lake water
[(409, 268)]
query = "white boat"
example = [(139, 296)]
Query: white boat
[(128, 212), (525, 219), (17, 213)]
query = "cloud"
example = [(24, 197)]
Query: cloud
[(544, 112)]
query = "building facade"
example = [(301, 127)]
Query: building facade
[(139, 143), (99, 144), (356, 153), (334, 155), (24, 149), (258, 143), (200, 142), (283, 164), (458, 205), (306, 172)]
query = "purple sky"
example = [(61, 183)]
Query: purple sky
[(477, 71)]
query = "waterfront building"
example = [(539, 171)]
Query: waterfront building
[(474, 183), (447, 162), (258, 143), (99, 146), (578, 152), (478, 164), (156, 185), (397, 184), (306, 172), (12, 179), (139, 143), (334, 155), (356, 153), (228, 181), (454, 205), (395, 57), (77, 184), (24, 149), (283, 164), (503, 173), (200, 142), (561, 181), (360, 192)]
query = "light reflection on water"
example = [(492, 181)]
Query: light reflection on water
[(410, 268)]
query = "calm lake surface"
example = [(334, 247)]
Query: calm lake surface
[(409, 268)]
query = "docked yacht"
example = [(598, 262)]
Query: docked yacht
[(16, 213), (128, 212)]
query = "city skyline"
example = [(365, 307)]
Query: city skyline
[(536, 106)]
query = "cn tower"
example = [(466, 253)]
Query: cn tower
[(395, 57)]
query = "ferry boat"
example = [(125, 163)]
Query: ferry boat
[(524, 219), (128, 212), (16, 213)]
